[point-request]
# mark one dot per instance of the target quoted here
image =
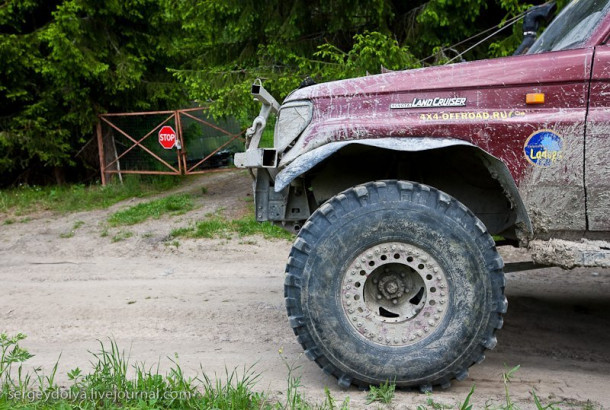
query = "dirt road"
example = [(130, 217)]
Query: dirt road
[(219, 304)]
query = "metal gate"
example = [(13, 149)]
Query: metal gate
[(177, 142)]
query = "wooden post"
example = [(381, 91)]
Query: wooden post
[(100, 146)]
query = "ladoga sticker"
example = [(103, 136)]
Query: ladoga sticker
[(543, 148)]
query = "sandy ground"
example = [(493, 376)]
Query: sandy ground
[(219, 304)]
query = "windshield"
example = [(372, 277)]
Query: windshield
[(572, 27)]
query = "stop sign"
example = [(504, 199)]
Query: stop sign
[(167, 137)]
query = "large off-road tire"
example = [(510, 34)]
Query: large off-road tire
[(395, 281)]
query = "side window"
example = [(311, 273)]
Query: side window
[(572, 27)]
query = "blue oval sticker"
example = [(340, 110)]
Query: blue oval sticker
[(543, 148)]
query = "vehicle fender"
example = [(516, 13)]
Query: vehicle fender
[(496, 167)]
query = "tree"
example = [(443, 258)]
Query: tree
[(65, 62)]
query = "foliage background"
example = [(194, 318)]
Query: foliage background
[(63, 62)]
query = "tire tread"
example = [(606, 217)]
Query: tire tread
[(404, 191)]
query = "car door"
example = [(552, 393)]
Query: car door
[(597, 144)]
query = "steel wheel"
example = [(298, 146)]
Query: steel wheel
[(394, 294)]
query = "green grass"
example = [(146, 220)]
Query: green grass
[(173, 205), (71, 198), (116, 382), (217, 226), (120, 236), (384, 393)]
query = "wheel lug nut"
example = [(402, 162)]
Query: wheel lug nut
[(426, 329), (431, 322), (379, 296), (354, 318), (394, 301)]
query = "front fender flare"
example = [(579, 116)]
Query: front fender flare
[(496, 167)]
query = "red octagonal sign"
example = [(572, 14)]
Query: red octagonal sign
[(167, 137)]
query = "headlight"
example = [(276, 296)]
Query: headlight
[(292, 120)]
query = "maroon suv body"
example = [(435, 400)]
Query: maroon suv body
[(395, 183)]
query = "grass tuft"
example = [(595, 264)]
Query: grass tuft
[(236, 392), (121, 235), (173, 205), (383, 394), (217, 226), (12, 356)]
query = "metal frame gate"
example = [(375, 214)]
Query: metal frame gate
[(126, 144)]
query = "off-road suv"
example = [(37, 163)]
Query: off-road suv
[(398, 183)]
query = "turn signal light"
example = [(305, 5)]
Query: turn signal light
[(537, 98)]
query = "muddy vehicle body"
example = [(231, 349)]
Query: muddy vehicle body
[(398, 183)]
